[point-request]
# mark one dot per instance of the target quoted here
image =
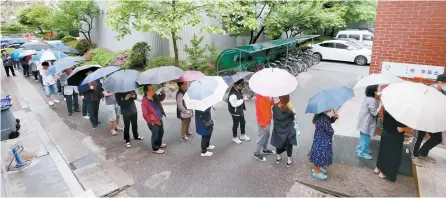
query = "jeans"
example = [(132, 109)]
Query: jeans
[(84, 107), (133, 120), (364, 143), (205, 140), (236, 120), (93, 111), (157, 135), (25, 70), (288, 148), (72, 100), (50, 90), (434, 140), (9, 68), (262, 138)]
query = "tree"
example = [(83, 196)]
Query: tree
[(35, 17), (360, 11), (13, 28), (165, 18), (76, 15)]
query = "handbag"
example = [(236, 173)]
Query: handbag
[(207, 123)]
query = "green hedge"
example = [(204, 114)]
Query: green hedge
[(67, 39)]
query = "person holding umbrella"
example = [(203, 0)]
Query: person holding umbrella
[(25, 65), (205, 127), (93, 97), (236, 106), (130, 115), (70, 92), (153, 113), (183, 113), (49, 83), (113, 111), (7, 63)]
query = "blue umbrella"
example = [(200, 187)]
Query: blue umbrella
[(329, 99), (16, 53), (67, 62), (205, 92), (100, 73)]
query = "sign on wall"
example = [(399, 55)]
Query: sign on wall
[(412, 70)]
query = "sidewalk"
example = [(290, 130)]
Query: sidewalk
[(431, 177), (62, 165)]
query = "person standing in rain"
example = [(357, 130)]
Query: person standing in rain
[(7, 63), (205, 126), (25, 65), (129, 114), (93, 96), (183, 113), (113, 111), (153, 113), (264, 116), (236, 107), (367, 120), (71, 93), (49, 83)]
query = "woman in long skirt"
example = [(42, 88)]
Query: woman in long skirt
[(390, 148)]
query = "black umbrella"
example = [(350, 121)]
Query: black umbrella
[(121, 81), (79, 74)]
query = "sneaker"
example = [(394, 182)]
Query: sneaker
[(259, 157), (211, 147), (141, 138), (163, 146), (236, 140), (128, 145), (207, 154), (159, 151), (113, 132), (268, 152), (245, 137), (189, 133), (322, 170), (69, 114), (95, 128), (365, 156), (87, 117), (185, 138), (56, 101), (51, 103), (64, 99), (119, 129), (36, 80), (416, 161), (278, 158), (428, 159), (320, 176), (290, 164)]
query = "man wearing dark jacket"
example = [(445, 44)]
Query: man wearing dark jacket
[(129, 114), (183, 113), (94, 96), (236, 106), (7, 63)]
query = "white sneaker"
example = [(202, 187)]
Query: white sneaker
[(56, 101), (64, 99), (236, 140), (51, 103), (210, 147), (207, 154), (245, 137)]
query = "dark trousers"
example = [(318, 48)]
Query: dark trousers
[(157, 135), (16, 64), (205, 140), (25, 70), (236, 121), (84, 107), (434, 140), (35, 74), (133, 120), (288, 148), (93, 111), (72, 100), (9, 68)]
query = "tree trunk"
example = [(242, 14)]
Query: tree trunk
[(257, 36), (252, 36), (332, 31), (175, 49), (40, 29)]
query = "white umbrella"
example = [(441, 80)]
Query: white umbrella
[(416, 105), (377, 79), (272, 82), (205, 92), (27, 53)]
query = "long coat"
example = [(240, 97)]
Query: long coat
[(367, 116), (200, 117), (283, 129)]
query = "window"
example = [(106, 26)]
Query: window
[(341, 46), (367, 37), (331, 45), (342, 36), (355, 36)]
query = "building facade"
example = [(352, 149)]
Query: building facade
[(410, 39)]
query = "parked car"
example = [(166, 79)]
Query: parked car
[(342, 50), (364, 36), (359, 43)]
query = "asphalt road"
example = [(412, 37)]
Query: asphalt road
[(231, 171)]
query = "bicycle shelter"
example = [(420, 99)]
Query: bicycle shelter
[(241, 57)]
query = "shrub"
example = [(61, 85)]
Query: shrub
[(163, 61), (102, 56), (67, 39), (121, 58), (202, 58), (139, 55), (83, 46)]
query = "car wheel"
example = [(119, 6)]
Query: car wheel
[(361, 60), (318, 57)]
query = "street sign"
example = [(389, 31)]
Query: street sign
[(412, 70)]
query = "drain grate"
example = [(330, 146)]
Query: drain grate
[(84, 161)]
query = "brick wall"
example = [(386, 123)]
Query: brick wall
[(411, 32)]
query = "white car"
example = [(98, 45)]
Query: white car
[(364, 36), (341, 50)]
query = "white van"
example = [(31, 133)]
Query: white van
[(361, 35)]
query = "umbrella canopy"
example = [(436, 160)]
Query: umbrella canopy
[(100, 73), (78, 74), (65, 49), (121, 81), (160, 75), (230, 80), (191, 76), (377, 79), (36, 46), (327, 99), (416, 105), (67, 62), (205, 92), (27, 53), (47, 55), (272, 82), (16, 53)]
